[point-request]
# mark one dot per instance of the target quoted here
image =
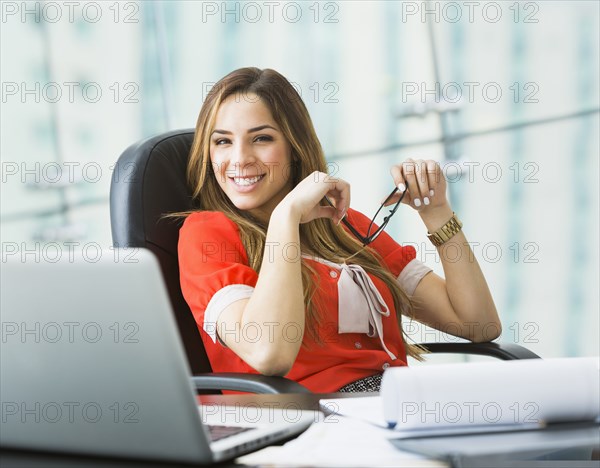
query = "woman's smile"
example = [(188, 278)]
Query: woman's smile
[(246, 184)]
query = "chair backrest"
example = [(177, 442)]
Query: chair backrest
[(148, 182)]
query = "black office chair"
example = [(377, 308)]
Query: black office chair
[(149, 181)]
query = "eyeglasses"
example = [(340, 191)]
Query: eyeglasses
[(371, 236)]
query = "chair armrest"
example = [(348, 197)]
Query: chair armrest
[(252, 383), (506, 352)]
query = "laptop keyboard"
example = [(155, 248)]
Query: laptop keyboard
[(221, 432)]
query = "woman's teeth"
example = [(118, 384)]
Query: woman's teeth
[(245, 181)]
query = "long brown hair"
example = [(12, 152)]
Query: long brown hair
[(320, 237)]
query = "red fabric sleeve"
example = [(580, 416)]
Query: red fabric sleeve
[(212, 256), (394, 255)]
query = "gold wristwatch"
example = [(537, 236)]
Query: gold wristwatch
[(446, 232)]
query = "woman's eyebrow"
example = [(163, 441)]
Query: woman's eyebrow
[(261, 127), (250, 130)]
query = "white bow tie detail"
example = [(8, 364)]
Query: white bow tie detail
[(360, 305)]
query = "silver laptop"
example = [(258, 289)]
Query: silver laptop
[(91, 362)]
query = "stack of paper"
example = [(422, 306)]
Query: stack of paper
[(475, 397), (426, 401)]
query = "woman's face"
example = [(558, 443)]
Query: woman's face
[(250, 156)]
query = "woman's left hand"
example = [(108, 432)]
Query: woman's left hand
[(426, 184)]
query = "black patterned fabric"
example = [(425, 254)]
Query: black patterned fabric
[(368, 384)]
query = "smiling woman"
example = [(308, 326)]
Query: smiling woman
[(276, 284)]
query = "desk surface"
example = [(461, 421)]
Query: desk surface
[(21, 458)]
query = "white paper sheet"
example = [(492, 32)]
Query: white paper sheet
[(370, 410), (339, 442)]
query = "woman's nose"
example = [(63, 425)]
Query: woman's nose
[(242, 154), (241, 158)]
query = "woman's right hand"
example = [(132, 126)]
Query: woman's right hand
[(303, 201)]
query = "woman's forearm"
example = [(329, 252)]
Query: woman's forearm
[(466, 286), (276, 307)]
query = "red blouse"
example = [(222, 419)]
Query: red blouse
[(214, 272)]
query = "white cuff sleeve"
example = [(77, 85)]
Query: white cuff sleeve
[(221, 300), (411, 275)]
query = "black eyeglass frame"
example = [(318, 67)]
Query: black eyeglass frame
[(371, 237)]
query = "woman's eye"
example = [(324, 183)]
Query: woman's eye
[(264, 138), (221, 141)]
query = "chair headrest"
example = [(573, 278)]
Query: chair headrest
[(148, 182)]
